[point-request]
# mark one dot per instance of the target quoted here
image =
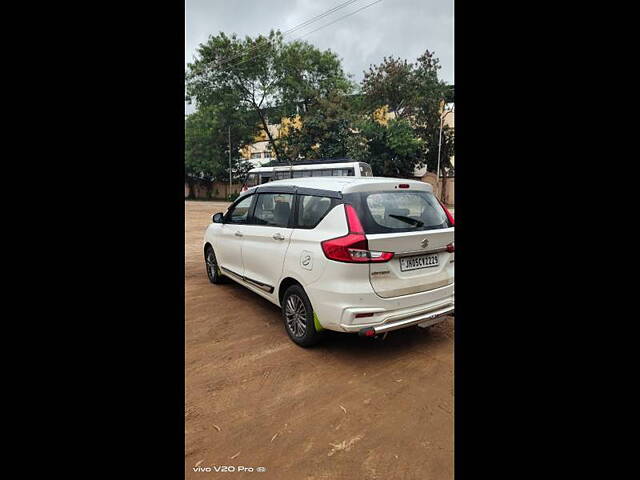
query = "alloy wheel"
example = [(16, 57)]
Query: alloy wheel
[(212, 265), (296, 315)]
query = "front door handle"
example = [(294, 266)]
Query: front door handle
[(278, 236), (238, 234)]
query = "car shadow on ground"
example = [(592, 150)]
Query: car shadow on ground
[(350, 345)]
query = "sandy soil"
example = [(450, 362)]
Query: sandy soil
[(350, 408)]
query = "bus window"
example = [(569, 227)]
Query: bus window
[(282, 174), (265, 177), (365, 170), (251, 181), (350, 172)]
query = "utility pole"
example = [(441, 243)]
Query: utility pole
[(229, 160), (439, 148)]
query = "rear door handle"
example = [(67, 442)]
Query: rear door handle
[(238, 234), (278, 236)]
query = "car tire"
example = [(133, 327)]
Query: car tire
[(213, 270), (297, 314)]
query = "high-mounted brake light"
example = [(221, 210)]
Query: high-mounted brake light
[(449, 216), (403, 185), (353, 247)]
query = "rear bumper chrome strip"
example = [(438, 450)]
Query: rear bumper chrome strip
[(430, 318)]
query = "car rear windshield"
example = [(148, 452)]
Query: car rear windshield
[(395, 212)]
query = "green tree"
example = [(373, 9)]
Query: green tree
[(207, 147), (308, 76), (232, 73), (392, 84), (392, 149), (413, 92), (326, 128), (263, 75), (431, 94)]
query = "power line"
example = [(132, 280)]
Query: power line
[(293, 29), (337, 20), (319, 28)]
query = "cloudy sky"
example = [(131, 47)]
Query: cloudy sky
[(403, 28)]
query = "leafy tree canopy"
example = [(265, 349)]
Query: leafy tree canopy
[(263, 74), (207, 146)]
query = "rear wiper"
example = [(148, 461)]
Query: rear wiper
[(410, 220)]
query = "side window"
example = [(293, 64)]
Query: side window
[(311, 210), (240, 212), (273, 209), (350, 172)]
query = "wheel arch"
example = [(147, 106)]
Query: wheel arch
[(286, 283), (207, 245)]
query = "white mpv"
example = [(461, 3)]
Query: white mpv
[(350, 254)]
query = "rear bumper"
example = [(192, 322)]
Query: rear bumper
[(425, 319), (343, 310)]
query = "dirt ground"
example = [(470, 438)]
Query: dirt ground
[(349, 408)]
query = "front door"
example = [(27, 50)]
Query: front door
[(229, 248)]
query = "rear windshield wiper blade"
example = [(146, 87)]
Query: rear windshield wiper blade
[(410, 220)]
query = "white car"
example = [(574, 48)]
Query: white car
[(350, 254)]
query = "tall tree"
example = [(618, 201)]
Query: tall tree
[(237, 74), (207, 146), (390, 147), (263, 75), (323, 130), (391, 84), (309, 75), (431, 94), (412, 92)]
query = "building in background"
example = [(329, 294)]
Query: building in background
[(260, 152)]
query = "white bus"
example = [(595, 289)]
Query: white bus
[(308, 168)]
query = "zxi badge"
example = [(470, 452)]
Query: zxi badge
[(425, 243)]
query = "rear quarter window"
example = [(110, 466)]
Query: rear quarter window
[(312, 209)]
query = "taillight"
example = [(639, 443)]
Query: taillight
[(449, 216), (353, 247), (451, 247)]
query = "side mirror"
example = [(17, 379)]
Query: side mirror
[(217, 218)]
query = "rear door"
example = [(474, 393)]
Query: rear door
[(414, 226), (266, 240)]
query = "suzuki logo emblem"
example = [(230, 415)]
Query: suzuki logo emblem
[(425, 243)]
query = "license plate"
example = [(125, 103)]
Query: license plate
[(420, 261)]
